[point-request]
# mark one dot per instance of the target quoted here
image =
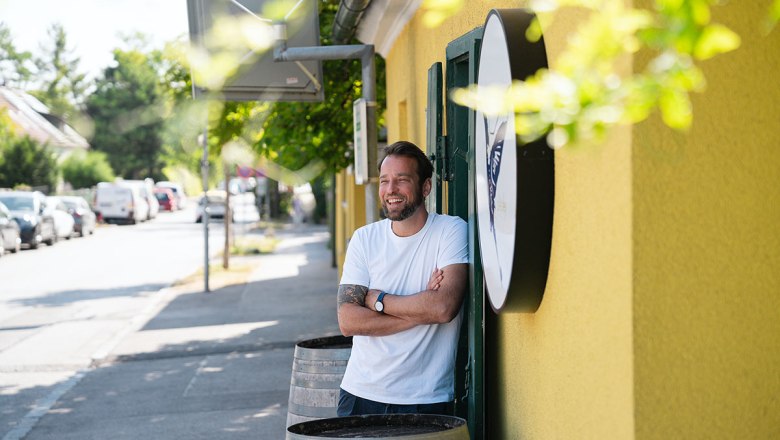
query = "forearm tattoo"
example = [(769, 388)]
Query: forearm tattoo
[(352, 293)]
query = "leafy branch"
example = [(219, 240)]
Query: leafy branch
[(583, 96)]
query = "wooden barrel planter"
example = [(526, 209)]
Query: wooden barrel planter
[(395, 426), (318, 367)]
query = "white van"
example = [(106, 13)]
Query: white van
[(120, 203), (146, 189)]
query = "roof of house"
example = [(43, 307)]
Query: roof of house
[(32, 118)]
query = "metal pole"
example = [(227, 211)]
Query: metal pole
[(366, 54), (227, 219), (369, 94), (204, 169)]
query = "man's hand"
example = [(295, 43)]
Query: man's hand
[(437, 276), (438, 304)]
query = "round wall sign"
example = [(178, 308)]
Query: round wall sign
[(515, 181)]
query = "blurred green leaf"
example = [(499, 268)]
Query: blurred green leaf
[(774, 11), (675, 109), (668, 4), (534, 31), (700, 11), (774, 16), (714, 40)]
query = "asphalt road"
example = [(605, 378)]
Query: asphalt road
[(63, 307)]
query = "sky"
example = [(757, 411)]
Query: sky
[(93, 26)]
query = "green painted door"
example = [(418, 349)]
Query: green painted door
[(453, 182), (459, 166)]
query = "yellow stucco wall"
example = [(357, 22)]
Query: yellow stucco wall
[(660, 319), (350, 212), (566, 371), (707, 251)]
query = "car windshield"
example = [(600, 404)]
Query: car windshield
[(161, 197), (213, 200), (71, 204), (16, 203)]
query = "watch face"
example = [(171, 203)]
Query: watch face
[(379, 306)]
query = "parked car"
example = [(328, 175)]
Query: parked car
[(10, 234), (165, 198), (178, 192), (64, 225), (28, 209), (146, 190), (116, 203), (214, 203), (82, 214)]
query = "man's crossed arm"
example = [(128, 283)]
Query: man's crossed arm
[(439, 303)]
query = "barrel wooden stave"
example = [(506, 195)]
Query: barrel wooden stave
[(318, 367)]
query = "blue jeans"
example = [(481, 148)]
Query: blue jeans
[(351, 405)]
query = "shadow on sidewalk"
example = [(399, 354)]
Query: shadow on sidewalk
[(208, 365), (72, 296)]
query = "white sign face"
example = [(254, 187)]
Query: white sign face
[(360, 126), (496, 163)]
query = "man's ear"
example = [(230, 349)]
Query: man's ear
[(427, 187)]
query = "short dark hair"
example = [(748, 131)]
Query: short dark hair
[(408, 149)]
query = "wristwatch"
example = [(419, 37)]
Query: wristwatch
[(379, 305)]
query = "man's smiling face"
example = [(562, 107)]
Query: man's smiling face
[(400, 188)]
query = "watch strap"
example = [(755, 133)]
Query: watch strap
[(379, 300)]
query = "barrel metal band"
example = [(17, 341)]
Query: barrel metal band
[(323, 355), (315, 384), (314, 369), (312, 411)]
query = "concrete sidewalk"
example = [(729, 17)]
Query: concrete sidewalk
[(208, 365)]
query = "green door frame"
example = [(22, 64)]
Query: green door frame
[(434, 147), (454, 163), (459, 165)]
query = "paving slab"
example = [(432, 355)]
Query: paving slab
[(207, 365)]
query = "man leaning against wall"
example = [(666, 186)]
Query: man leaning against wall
[(400, 296)]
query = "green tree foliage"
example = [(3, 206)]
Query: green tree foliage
[(308, 137), (15, 67), (126, 109), (84, 170), (300, 141), (62, 86), (24, 162), (6, 136), (180, 151), (295, 134)]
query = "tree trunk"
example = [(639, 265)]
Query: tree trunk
[(226, 252)]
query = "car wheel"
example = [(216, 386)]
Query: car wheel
[(51, 240)]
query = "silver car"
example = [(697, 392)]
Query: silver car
[(10, 233)]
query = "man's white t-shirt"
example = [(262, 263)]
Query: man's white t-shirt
[(415, 366)]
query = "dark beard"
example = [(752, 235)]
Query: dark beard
[(408, 210)]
